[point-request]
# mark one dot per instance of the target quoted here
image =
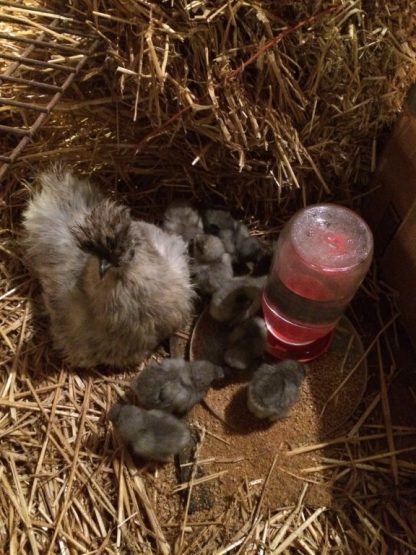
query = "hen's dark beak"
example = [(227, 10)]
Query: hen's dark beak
[(105, 265)]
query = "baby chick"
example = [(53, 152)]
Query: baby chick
[(217, 220), (249, 248), (114, 287), (221, 224), (246, 344), (183, 220), (211, 265), (234, 234), (275, 388), (152, 434), (175, 385), (237, 299)]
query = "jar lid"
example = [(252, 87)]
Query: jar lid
[(331, 237)]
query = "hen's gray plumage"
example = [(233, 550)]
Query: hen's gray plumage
[(153, 434), (246, 344), (237, 299), (114, 287), (234, 234), (175, 385), (275, 388), (211, 265), (183, 220)]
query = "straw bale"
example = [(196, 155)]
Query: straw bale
[(244, 101), (251, 104)]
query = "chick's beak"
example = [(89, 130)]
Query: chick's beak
[(105, 265)]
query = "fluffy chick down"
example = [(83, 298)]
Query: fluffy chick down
[(246, 343), (211, 265), (234, 234), (237, 299), (183, 220), (175, 385), (153, 434), (274, 388)]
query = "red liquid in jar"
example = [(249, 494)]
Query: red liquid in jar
[(301, 307), (288, 334), (291, 331)]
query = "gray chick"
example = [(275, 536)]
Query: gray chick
[(211, 265), (249, 248), (175, 385), (221, 224), (237, 299), (114, 287), (275, 388), (245, 344), (234, 234), (153, 434), (183, 220)]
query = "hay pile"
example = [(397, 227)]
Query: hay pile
[(242, 101), (249, 104)]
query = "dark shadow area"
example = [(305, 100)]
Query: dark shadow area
[(238, 417)]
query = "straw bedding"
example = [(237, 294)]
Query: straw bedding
[(239, 101), (260, 106)]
